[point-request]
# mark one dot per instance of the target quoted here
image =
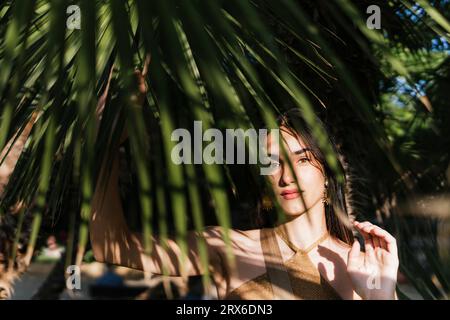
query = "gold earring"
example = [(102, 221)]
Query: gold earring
[(325, 198), (267, 203)]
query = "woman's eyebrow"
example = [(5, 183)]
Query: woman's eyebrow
[(301, 151), (297, 152)]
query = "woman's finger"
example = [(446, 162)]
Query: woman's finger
[(361, 225), (391, 242), (353, 260), (361, 229), (375, 239), (368, 243), (375, 232), (369, 228)]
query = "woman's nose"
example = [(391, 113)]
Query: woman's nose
[(287, 176)]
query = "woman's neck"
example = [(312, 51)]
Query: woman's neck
[(306, 228)]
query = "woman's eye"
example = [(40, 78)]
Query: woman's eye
[(303, 160)]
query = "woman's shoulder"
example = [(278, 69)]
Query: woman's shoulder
[(243, 243), (219, 232)]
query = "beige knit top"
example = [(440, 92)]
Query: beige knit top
[(306, 281)]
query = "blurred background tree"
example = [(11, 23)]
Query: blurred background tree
[(230, 64)]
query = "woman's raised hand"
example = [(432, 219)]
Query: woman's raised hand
[(138, 97), (374, 272)]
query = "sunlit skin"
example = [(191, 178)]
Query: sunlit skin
[(305, 215), (308, 172), (345, 267)]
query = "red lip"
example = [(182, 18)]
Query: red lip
[(290, 194)]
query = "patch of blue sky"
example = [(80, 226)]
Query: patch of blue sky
[(404, 88), (414, 14), (440, 44), (396, 101)]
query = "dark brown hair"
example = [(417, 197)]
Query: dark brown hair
[(337, 218)]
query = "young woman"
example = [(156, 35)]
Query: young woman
[(312, 255)]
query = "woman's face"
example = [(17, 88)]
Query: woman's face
[(310, 178)]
